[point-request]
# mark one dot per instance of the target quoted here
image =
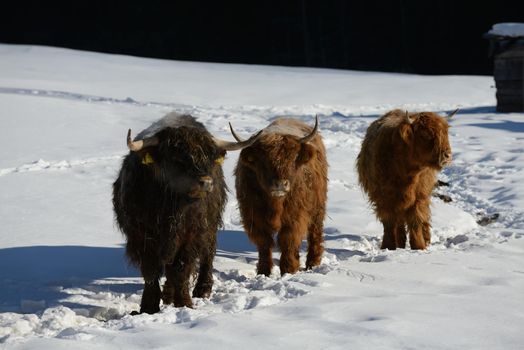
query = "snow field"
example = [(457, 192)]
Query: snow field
[(65, 280)]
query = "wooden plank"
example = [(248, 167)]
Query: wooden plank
[(510, 107), (509, 85), (507, 98), (509, 69), (509, 80)]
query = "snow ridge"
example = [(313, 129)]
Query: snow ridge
[(43, 165)]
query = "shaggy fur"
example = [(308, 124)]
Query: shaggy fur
[(397, 168), (264, 167), (169, 220)]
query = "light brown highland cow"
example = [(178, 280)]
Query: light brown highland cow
[(397, 166), (281, 185)]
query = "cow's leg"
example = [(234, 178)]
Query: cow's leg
[(418, 225), (204, 282), (264, 245), (262, 237), (151, 271), (315, 240), (289, 239), (401, 235), (426, 233), (168, 291), (258, 230), (182, 268), (416, 239), (389, 240)]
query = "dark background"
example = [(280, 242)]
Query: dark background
[(426, 37)]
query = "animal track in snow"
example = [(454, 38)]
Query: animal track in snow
[(107, 303), (463, 180), (245, 293)]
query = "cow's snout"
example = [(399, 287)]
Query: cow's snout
[(445, 158), (280, 188), (206, 183), (202, 188)]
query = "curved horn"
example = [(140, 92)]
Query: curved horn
[(312, 133), (233, 146), (139, 144), (238, 138), (408, 119), (452, 113)]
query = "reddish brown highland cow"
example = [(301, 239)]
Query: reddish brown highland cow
[(397, 166), (281, 185)]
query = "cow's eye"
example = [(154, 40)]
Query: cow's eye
[(249, 157), (428, 142), (426, 135)]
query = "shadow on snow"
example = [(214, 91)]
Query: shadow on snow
[(41, 274), (505, 125)]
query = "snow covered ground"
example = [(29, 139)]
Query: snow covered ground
[(65, 283)]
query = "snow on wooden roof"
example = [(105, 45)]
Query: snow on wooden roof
[(513, 30)]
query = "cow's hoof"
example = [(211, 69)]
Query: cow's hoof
[(149, 310), (311, 263), (263, 270), (203, 291), (186, 303)]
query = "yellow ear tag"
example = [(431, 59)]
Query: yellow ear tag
[(219, 160), (147, 159)]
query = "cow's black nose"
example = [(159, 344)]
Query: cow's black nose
[(281, 185), (445, 158), (447, 155)]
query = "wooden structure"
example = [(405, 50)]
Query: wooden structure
[(508, 53)]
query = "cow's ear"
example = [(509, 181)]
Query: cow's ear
[(147, 155), (306, 153), (220, 157), (406, 133), (221, 153)]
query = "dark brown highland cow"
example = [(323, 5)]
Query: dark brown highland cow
[(168, 199), (281, 185), (397, 167)]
